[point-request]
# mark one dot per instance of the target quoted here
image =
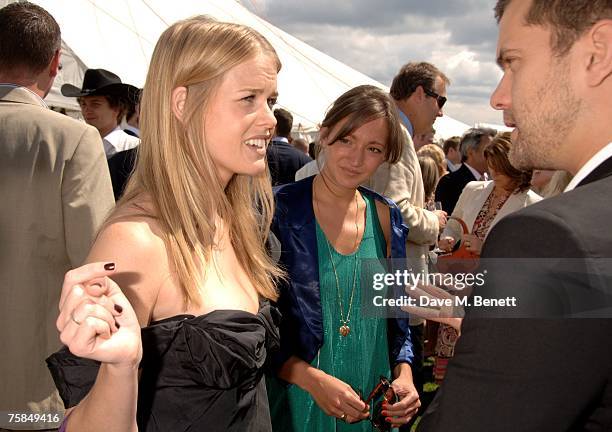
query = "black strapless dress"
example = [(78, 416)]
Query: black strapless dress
[(200, 373)]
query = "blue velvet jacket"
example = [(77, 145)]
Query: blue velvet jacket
[(301, 326)]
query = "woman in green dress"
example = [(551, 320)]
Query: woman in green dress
[(335, 234)]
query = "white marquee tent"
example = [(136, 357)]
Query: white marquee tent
[(119, 35)]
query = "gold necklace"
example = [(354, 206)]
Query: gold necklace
[(344, 329)]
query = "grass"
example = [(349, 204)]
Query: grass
[(429, 388)]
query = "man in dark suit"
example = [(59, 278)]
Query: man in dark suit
[(545, 374), (284, 159), (132, 115), (121, 165), (473, 168)]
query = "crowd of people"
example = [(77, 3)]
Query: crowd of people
[(209, 268)]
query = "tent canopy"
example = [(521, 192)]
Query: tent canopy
[(119, 35)]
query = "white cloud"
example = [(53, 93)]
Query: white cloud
[(377, 38)]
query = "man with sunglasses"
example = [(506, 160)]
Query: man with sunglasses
[(419, 92)]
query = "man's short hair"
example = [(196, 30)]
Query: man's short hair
[(451, 143), (471, 139), (413, 75), (284, 122), (29, 37), (568, 19)]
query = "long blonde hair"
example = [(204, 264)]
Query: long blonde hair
[(175, 169)]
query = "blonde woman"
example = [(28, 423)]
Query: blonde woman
[(173, 300), (549, 183)]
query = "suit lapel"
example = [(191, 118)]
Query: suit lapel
[(467, 173), (603, 170)]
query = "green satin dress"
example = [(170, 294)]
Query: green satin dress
[(357, 359)]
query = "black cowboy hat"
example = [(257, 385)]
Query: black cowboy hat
[(100, 82)]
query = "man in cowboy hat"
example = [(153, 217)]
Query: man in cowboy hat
[(103, 99)]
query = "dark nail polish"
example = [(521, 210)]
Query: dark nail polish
[(118, 308), (117, 325), (109, 266)]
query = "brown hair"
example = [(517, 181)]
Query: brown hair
[(451, 143), (496, 154), (175, 169), (29, 37), (430, 174), (568, 19), (284, 122), (437, 154), (361, 105), (413, 75)]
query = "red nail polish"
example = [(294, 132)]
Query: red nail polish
[(118, 308), (109, 266), (388, 419)]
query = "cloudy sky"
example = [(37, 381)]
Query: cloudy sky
[(377, 37)]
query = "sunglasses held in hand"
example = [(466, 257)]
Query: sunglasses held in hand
[(385, 393)]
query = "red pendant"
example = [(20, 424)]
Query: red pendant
[(344, 330)]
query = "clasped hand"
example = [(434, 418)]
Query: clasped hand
[(96, 320)]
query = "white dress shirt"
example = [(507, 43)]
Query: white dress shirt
[(118, 141)]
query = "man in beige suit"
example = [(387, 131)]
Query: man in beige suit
[(419, 91), (55, 191)]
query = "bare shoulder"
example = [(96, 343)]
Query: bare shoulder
[(133, 241), (134, 231)]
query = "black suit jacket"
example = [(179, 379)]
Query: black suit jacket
[(450, 187), (554, 374), (121, 166), (284, 160)]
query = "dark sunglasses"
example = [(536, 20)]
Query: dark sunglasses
[(441, 100), (384, 389)]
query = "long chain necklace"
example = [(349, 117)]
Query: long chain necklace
[(344, 329)]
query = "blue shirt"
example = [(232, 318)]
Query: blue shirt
[(406, 121)]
